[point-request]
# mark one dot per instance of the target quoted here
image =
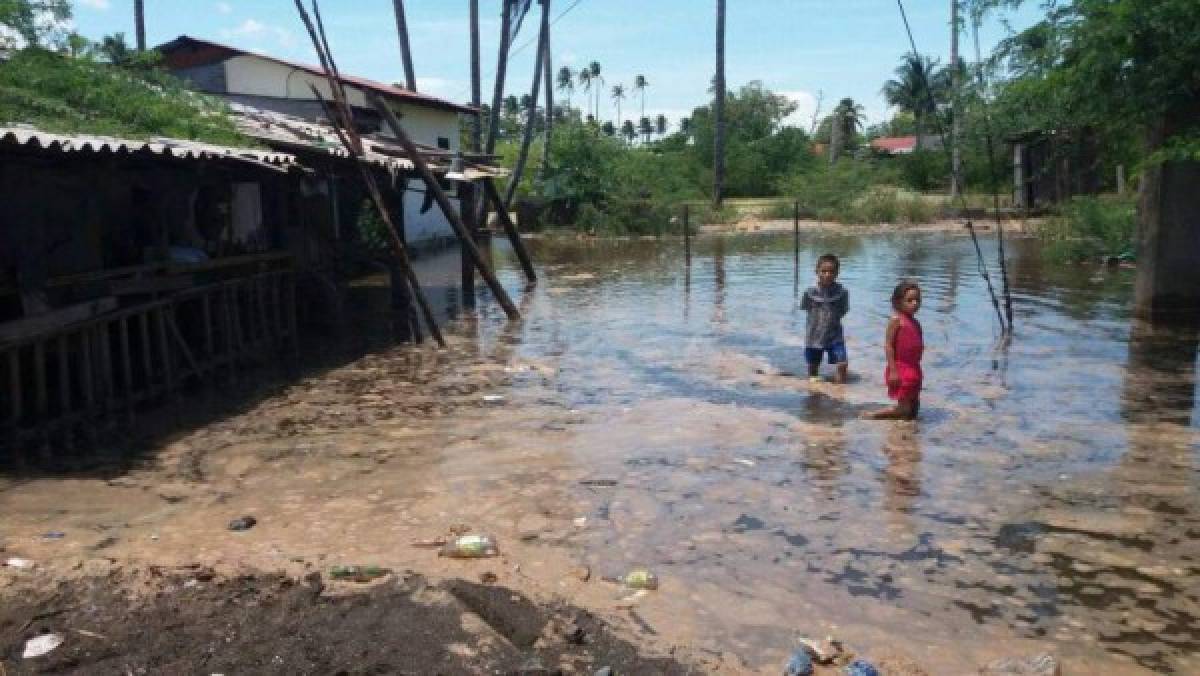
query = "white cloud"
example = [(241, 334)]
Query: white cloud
[(806, 105), (222, 7), (251, 28), (96, 4)]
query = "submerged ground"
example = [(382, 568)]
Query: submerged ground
[(645, 413)]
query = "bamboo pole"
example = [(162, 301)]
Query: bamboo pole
[(510, 229), (431, 184), (344, 125)]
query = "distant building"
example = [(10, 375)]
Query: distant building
[(1050, 166), (904, 145), (272, 84)]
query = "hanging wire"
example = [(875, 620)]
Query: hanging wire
[(1005, 328)]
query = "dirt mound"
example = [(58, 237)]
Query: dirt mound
[(272, 624)]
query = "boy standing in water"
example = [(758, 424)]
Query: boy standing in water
[(826, 304)]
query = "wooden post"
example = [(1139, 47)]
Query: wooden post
[(796, 234), (14, 388), (510, 229), (1121, 180), (410, 79), (64, 376), (165, 350), (448, 210), (466, 200), (518, 171), (127, 368), (687, 234)]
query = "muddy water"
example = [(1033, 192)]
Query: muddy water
[(646, 413)]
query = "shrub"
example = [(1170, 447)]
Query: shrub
[(1090, 227)]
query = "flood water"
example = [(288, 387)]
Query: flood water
[(1050, 490), (646, 412)]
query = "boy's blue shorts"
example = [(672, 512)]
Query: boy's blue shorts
[(836, 351)]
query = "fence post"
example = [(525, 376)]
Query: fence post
[(687, 234)]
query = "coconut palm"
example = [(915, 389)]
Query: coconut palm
[(660, 124), (847, 121), (628, 131), (639, 84), (139, 24), (609, 129), (585, 82), (685, 124), (618, 95), (566, 83), (594, 69), (916, 89), (646, 127)]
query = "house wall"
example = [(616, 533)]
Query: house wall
[(274, 86)]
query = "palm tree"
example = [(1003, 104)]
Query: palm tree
[(594, 69), (628, 131), (685, 124), (646, 127), (618, 94), (566, 83), (114, 49), (719, 111), (660, 124), (585, 81), (847, 121), (915, 89), (609, 129), (640, 83)]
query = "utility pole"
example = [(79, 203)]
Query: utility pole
[(956, 106), (139, 20), (719, 112)]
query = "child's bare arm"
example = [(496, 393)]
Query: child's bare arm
[(889, 348)]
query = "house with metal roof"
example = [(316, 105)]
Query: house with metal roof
[(261, 82)]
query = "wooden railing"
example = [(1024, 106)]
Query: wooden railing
[(63, 386)]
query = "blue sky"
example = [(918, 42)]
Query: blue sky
[(797, 47)]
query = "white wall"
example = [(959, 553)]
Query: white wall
[(255, 76)]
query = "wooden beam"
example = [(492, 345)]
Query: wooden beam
[(431, 184), (510, 229), (25, 329)]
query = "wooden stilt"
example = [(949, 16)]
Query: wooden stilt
[(127, 370), (687, 234), (164, 351), (510, 229)]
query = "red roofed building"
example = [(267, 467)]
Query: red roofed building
[(904, 145)]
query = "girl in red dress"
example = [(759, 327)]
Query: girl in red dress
[(903, 346)]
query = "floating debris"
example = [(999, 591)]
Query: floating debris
[(470, 547), (824, 652), (358, 573), (1044, 664), (861, 668), (54, 535), (23, 564), (242, 523), (42, 645), (640, 578), (606, 483), (799, 664)]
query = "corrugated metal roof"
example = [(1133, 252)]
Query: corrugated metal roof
[(28, 137)]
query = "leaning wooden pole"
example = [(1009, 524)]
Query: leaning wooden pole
[(340, 117), (139, 20), (548, 72), (452, 215), (410, 78), (510, 229)]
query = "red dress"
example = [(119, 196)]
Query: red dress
[(909, 347)]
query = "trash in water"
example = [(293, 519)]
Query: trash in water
[(581, 522), (358, 573), (470, 547), (744, 461), (54, 535), (640, 578), (488, 577), (243, 523), (1044, 664), (604, 671), (800, 664), (824, 652), (19, 563), (41, 645), (431, 543), (861, 668), (607, 483), (493, 398)]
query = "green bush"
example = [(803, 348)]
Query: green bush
[(1088, 228), (879, 205), (924, 171), (76, 94)]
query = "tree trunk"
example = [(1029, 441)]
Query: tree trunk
[(835, 137), (719, 112), (548, 72), (1168, 269), (919, 122), (956, 108), (139, 20), (531, 118), (410, 78)]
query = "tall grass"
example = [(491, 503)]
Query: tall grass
[(1089, 228)]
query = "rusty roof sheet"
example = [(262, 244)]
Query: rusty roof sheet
[(36, 139)]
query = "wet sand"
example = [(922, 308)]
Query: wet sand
[(645, 415)]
